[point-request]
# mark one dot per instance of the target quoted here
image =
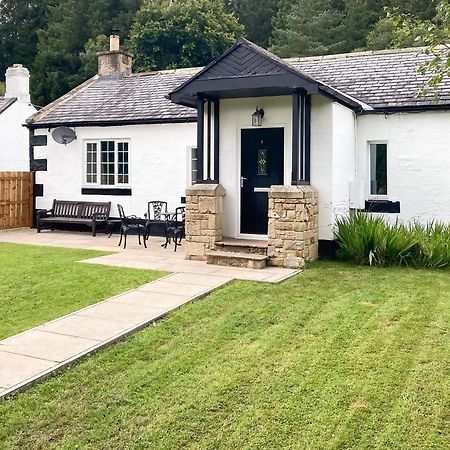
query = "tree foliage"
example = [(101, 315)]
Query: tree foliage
[(58, 39), (168, 34), (256, 17), (434, 33), (20, 21), (308, 27), (73, 26)]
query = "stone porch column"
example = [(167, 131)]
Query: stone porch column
[(293, 226), (204, 221)]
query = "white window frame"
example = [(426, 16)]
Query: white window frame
[(116, 163), (369, 168), (189, 179)]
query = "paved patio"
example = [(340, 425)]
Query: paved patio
[(34, 354)]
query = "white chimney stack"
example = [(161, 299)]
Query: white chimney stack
[(18, 83)]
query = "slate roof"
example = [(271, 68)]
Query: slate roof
[(139, 98), (382, 80), (5, 103)]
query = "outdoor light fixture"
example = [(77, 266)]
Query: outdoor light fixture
[(257, 117)]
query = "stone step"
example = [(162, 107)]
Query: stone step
[(234, 259), (258, 247)]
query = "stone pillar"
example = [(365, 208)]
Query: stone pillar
[(204, 211), (293, 226)]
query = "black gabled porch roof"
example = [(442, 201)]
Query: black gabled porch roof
[(245, 70)]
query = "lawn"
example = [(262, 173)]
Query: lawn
[(38, 284), (339, 357)]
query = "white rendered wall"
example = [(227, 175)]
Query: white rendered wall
[(158, 165), (235, 115), (14, 144), (418, 161), (332, 159)]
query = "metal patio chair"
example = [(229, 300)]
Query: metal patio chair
[(175, 228), (128, 223), (156, 215)]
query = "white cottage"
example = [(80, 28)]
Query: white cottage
[(317, 136), (15, 108)]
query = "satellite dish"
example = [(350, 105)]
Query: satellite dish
[(63, 135)]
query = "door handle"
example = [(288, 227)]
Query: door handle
[(242, 181)]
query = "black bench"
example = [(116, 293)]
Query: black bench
[(74, 213)]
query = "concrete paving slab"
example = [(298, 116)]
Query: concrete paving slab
[(151, 299), (112, 310), (16, 368), (87, 327), (44, 345), (165, 287), (198, 280)]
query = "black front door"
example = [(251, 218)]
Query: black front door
[(262, 157)]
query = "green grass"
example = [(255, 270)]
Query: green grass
[(339, 357), (38, 284)]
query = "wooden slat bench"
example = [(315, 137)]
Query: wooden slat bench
[(74, 212)]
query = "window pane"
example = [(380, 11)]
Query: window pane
[(378, 169), (91, 162), (107, 166), (262, 161), (122, 163), (194, 165)]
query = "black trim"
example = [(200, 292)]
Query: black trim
[(183, 200), (38, 190), (342, 99), (307, 137), (382, 206), (7, 104), (38, 165), (216, 175), (208, 142), (39, 140), (328, 249), (295, 136), (110, 123), (200, 138), (106, 191), (405, 109)]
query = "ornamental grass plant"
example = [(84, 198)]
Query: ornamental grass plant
[(371, 240)]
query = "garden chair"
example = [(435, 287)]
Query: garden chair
[(175, 228), (128, 223), (156, 214)]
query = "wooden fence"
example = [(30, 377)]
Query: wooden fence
[(16, 199)]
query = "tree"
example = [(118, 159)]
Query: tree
[(181, 33), (385, 35), (19, 22), (256, 16), (309, 27), (435, 35), (62, 46)]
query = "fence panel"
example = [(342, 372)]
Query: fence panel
[(16, 199)]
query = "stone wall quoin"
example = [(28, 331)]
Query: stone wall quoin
[(293, 226), (204, 219)]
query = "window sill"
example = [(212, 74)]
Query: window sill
[(106, 191), (382, 206)]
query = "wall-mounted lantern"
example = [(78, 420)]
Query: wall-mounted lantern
[(257, 117)]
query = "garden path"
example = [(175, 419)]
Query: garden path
[(37, 353)]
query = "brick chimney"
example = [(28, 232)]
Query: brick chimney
[(115, 61), (18, 83)]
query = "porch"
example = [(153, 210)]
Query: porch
[(253, 159)]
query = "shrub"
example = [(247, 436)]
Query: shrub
[(369, 240)]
